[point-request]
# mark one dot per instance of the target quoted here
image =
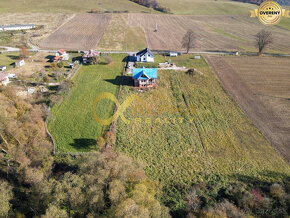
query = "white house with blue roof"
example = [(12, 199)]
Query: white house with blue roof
[(145, 77)]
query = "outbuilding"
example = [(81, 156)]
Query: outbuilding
[(19, 63), (173, 54), (2, 68), (17, 27), (4, 79)]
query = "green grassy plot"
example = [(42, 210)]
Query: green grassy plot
[(179, 148), (73, 125)]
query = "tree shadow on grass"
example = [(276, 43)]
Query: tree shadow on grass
[(121, 80), (13, 57), (83, 143)]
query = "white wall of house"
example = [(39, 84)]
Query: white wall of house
[(19, 63), (145, 58)]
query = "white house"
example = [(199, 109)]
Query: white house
[(145, 56), (61, 55), (20, 63), (17, 27), (4, 80), (2, 68)]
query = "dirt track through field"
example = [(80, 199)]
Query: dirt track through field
[(83, 32), (261, 87)]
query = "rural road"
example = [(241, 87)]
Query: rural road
[(11, 49)]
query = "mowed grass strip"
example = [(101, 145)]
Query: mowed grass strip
[(8, 59), (73, 126), (220, 140)]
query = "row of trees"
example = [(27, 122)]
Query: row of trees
[(152, 4), (262, 40)]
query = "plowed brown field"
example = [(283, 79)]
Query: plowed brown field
[(218, 32), (83, 32), (261, 86)]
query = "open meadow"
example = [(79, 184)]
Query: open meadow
[(72, 125), (181, 149), (261, 87)]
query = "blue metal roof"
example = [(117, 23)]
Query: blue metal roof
[(144, 73)]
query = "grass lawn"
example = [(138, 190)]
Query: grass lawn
[(8, 59), (73, 126), (218, 140)]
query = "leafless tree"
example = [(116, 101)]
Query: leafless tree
[(263, 39), (188, 40)]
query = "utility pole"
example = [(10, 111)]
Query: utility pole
[(156, 27)]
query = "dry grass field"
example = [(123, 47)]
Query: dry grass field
[(46, 24), (120, 36), (69, 6), (209, 7), (261, 86), (212, 32), (84, 31)]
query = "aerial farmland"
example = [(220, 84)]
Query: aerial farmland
[(143, 108)]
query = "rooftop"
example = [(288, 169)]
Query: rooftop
[(3, 76), (144, 73), (17, 25), (146, 50)]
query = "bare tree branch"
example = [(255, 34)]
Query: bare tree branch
[(262, 40), (188, 40)]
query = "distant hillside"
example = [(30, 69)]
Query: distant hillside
[(258, 2)]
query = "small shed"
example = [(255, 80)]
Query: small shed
[(4, 79), (173, 54), (19, 63), (2, 68)]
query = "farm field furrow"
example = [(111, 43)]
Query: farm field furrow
[(261, 86), (83, 32), (211, 33)]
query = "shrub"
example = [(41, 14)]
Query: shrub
[(60, 64), (190, 72), (277, 191), (101, 142), (108, 60)]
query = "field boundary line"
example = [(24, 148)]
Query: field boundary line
[(113, 125), (70, 77)]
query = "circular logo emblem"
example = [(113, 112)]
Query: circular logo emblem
[(269, 12)]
